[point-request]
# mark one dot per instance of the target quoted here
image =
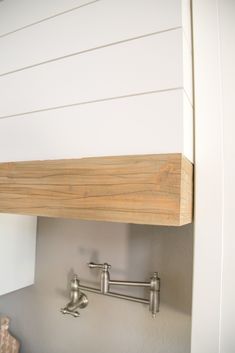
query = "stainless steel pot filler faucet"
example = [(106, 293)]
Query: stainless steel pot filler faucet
[(80, 300)]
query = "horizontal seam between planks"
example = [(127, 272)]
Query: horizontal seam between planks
[(67, 56), (47, 18), (90, 102)]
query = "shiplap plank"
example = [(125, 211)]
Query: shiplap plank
[(150, 189), (188, 129), (147, 64), (15, 14), (146, 124), (187, 69), (99, 24)]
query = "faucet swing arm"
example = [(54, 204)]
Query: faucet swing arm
[(106, 283), (115, 295)]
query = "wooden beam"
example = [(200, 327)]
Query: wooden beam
[(146, 189)]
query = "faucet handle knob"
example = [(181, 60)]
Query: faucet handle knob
[(70, 312), (104, 266)]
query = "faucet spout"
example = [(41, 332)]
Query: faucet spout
[(78, 299)]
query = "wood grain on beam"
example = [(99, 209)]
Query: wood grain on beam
[(146, 189)]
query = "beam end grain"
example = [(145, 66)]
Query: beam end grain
[(186, 198)]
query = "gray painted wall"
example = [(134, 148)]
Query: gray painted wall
[(107, 324)]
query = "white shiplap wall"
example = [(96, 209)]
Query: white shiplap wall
[(97, 78)]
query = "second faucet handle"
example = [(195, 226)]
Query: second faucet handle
[(104, 266), (104, 275)]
